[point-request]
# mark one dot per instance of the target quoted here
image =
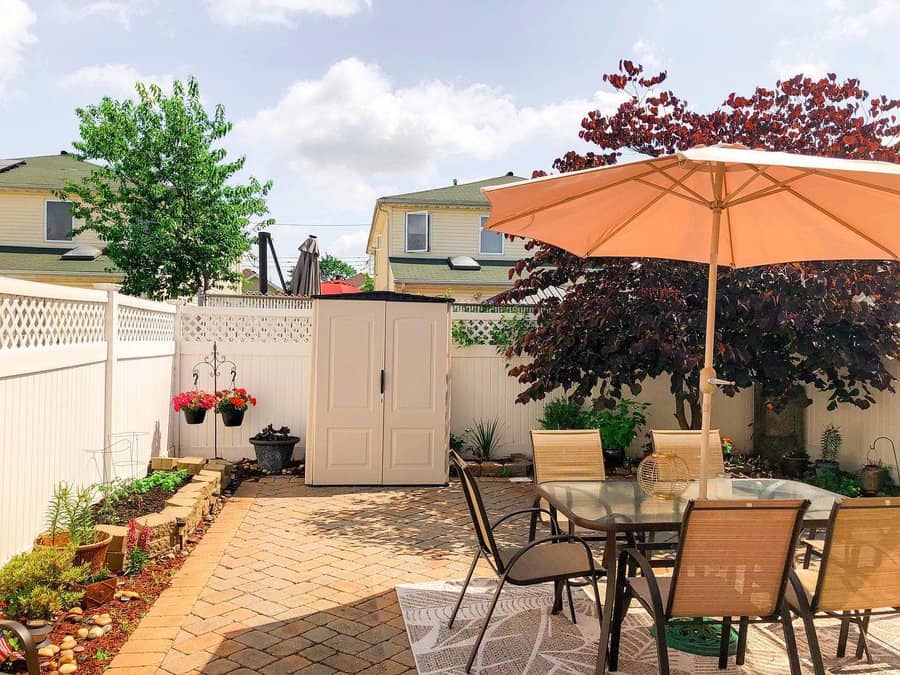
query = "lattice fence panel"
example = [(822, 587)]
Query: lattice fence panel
[(27, 321), (257, 301), (137, 324), (274, 328), (479, 330)]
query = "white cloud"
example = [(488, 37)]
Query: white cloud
[(352, 128), (280, 12), (810, 68), (112, 79), (123, 12), (16, 22), (647, 54), (350, 245), (849, 21)]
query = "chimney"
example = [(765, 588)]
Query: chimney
[(454, 181), (510, 173)]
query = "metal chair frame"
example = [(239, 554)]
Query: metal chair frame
[(487, 547), (28, 646)]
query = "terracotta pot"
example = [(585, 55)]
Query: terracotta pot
[(871, 479), (93, 553), (232, 418), (194, 415), (98, 593)]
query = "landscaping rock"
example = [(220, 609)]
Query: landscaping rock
[(46, 651), (103, 620), (193, 465), (163, 463), (68, 668), (95, 632), (81, 633)]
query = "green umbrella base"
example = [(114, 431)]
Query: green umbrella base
[(697, 636)]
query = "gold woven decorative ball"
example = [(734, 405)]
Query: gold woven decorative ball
[(663, 476)]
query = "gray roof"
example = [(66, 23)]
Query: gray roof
[(464, 194), (49, 172), (436, 271)]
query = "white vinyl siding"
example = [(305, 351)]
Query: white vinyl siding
[(490, 243), (22, 215), (451, 232), (58, 221), (417, 231)]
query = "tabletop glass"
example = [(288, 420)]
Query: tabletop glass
[(621, 504)]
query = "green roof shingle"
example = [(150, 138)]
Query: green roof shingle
[(437, 271), (49, 172), (34, 259), (464, 194)]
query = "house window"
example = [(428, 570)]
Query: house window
[(417, 232), (58, 221), (491, 242)]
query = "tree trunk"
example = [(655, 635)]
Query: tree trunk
[(686, 397)]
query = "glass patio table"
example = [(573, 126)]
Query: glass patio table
[(614, 506)]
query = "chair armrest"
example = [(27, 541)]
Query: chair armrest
[(647, 572), (553, 539), (554, 525), (31, 655)]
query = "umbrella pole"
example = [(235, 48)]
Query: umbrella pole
[(708, 374)]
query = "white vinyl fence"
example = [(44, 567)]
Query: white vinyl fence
[(85, 382)]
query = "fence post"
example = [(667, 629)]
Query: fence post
[(174, 421), (111, 333)]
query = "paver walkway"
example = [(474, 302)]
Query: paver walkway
[(292, 578)]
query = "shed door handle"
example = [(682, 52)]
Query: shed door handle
[(382, 380)]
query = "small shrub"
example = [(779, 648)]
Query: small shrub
[(562, 413), (40, 583), (485, 437), (843, 483)]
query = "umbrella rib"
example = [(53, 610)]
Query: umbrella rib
[(700, 198), (780, 186), (671, 191), (847, 179), (618, 228), (829, 214), (728, 218), (571, 198)]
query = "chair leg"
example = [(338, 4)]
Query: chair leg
[(842, 635), (724, 642), (623, 600), (487, 620), (743, 627), (571, 601), (862, 645), (790, 641), (462, 593), (662, 648), (807, 557)]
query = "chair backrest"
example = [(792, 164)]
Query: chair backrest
[(479, 515), (734, 557), (861, 561), (567, 454), (686, 444)]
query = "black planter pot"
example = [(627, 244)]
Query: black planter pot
[(232, 418), (794, 467), (824, 466), (613, 458), (194, 415), (273, 456)]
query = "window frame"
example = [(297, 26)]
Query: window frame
[(481, 221), (406, 216), (57, 241)]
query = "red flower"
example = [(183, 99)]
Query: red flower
[(237, 402)]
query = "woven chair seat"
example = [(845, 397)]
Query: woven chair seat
[(546, 562)]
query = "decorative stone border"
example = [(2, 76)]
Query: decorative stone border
[(182, 514)]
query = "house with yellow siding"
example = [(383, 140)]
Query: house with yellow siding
[(432, 242), (36, 241)]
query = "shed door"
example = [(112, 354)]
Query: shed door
[(417, 345), (347, 398)]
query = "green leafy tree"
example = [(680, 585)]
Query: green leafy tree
[(827, 326), (331, 268), (165, 198)]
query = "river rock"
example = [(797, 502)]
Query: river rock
[(76, 610), (66, 659), (67, 668), (81, 633), (103, 620), (47, 651), (68, 642), (95, 632)]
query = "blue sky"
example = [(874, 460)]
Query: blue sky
[(342, 101)]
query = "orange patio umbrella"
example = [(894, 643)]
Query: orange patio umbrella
[(721, 205)]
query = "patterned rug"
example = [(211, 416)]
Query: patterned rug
[(525, 638)]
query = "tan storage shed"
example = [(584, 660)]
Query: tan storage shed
[(380, 391)]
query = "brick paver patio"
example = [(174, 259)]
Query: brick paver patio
[(291, 578)]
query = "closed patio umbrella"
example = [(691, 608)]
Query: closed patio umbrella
[(722, 204), (305, 280)]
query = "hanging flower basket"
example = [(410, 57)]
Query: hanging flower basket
[(194, 404), (231, 404)]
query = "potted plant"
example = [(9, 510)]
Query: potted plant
[(830, 447), (484, 437), (194, 404), (795, 463), (619, 426), (872, 476), (70, 523), (231, 404), (274, 448)]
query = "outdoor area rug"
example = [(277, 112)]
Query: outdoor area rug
[(524, 637)]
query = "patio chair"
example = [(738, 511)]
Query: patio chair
[(733, 560), (27, 648), (859, 575), (558, 558), (686, 444), (566, 454)]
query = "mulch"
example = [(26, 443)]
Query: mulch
[(142, 505)]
